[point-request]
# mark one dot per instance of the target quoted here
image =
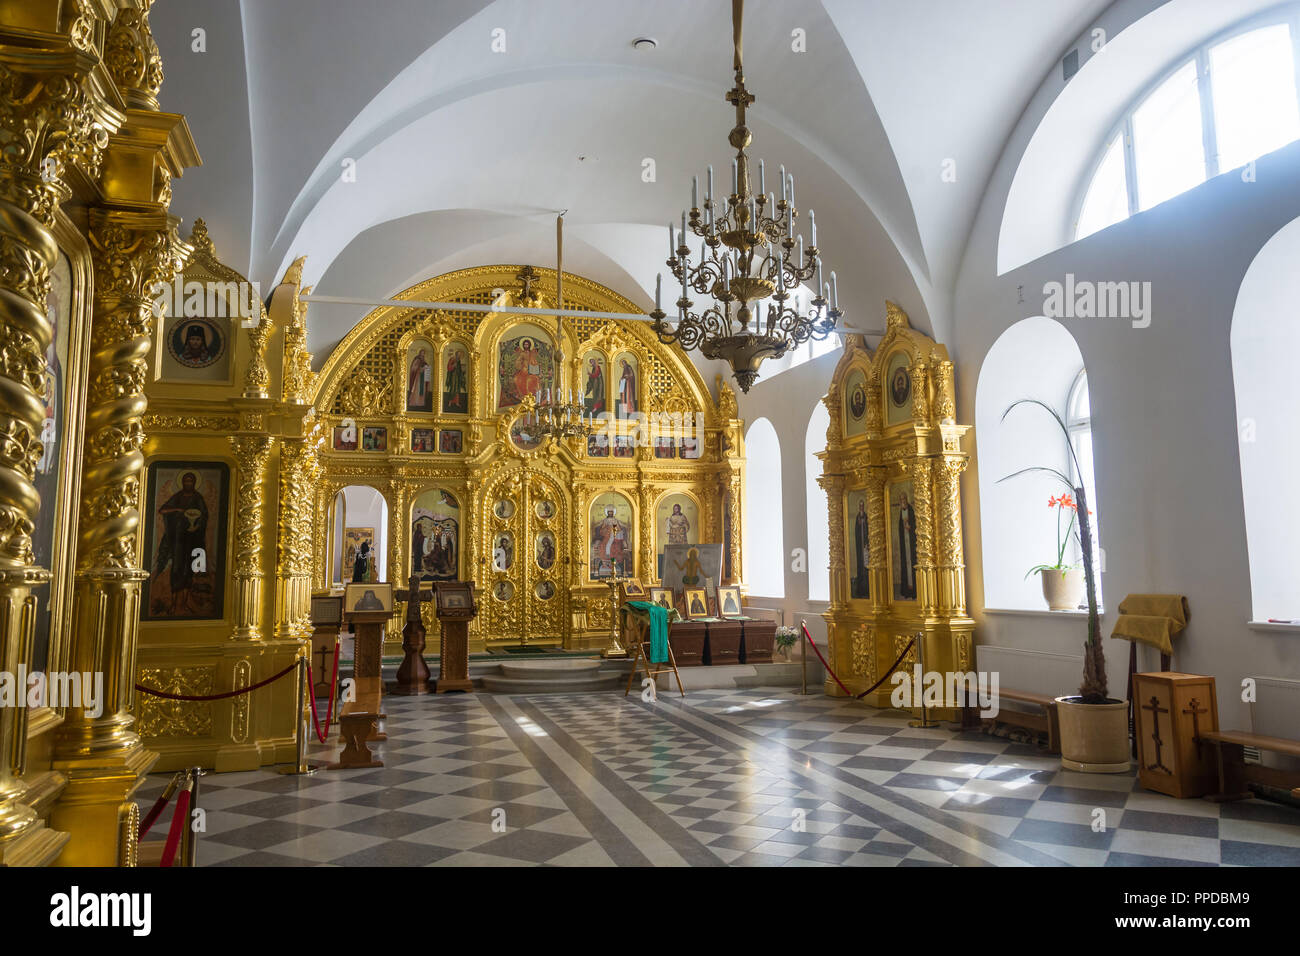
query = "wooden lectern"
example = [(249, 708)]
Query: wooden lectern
[(413, 674), (326, 619), (456, 608), (367, 608)]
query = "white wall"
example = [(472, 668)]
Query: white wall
[(1163, 417), (1265, 343), (1164, 429)]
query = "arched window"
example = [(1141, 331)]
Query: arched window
[(1265, 338), (801, 302), (1226, 104), (764, 540), (819, 548), (1037, 358), (360, 514)]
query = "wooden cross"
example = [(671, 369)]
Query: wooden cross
[(1156, 711), (322, 686), (1195, 709), (323, 652)]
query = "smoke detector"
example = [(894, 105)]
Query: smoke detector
[(644, 43)]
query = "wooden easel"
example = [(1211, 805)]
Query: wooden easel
[(641, 661)]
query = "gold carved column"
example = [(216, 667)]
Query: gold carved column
[(134, 247), (299, 473), (47, 128), (102, 756), (397, 537), (833, 485), (252, 452)]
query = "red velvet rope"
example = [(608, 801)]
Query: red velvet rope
[(893, 667), (808, 637), (154, 813), (180, 819), (329, 714), (230, 693)]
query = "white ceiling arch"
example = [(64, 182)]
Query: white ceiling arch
[(449, 136)]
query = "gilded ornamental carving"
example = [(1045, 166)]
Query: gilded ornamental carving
[(891, 472)]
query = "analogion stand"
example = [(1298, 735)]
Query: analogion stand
[(456, 608), (413, 674)]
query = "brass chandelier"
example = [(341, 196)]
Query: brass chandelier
[(553, 414), (748, 256)]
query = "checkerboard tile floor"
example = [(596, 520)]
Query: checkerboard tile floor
[(719, 778)]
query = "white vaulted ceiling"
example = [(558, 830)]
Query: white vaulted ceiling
[(463, 155)]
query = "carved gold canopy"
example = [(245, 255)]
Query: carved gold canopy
[(891, 473)]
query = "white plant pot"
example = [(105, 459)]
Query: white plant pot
[(1063, 590)]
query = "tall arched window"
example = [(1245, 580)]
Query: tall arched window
[(360, 513), (764, 540), (819, 548), (1037, 358), (1227, 103), (1265, 339)]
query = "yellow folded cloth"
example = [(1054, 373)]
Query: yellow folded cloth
[(1152, 619)]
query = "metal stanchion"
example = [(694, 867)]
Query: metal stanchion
[(301, 767), (803, 658), (189, 839), (925, 720)]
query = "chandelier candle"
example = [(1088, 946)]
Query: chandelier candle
[(748, 268)]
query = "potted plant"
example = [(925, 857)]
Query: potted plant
[(1094, 726), (786, 636), (1062, 583)]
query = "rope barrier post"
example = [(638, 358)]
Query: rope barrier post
[(803, 658), (925, 721), (190, 839), (159, 805), (301, 768), (180, 823)]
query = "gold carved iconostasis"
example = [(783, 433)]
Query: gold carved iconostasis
[(432, 410), (891, 473), (231, 456)]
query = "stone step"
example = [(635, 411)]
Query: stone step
[(567, 675)]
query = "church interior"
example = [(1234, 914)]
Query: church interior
[(379, 489)]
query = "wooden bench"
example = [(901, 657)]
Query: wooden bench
[(1048, 722), (1235, 774)]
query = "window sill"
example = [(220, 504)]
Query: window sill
[(1025, 612), (1269, 627)]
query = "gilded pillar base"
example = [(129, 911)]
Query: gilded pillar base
[(34, 845), (99, 791)]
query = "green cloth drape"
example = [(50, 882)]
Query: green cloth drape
[(658, 629)]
